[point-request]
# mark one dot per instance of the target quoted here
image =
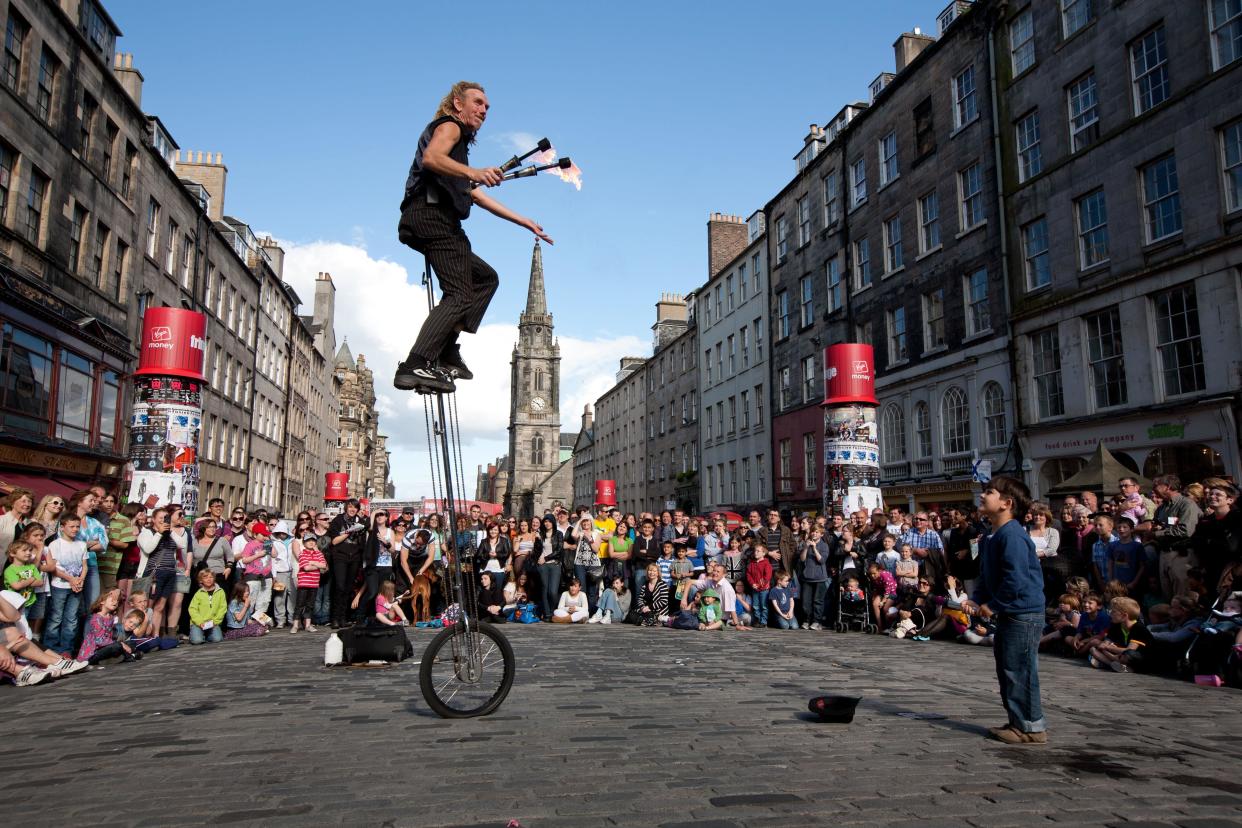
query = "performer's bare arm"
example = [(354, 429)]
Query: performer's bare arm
[(494, 207), (436, 158)]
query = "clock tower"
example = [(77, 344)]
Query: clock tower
[(534, 400)]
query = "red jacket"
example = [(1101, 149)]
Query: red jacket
[(759, 575)]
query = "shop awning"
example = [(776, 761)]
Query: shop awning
[(40, 484), (1100, 475)]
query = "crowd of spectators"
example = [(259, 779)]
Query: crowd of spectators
[(1135, 581)]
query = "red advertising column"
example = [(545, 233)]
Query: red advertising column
[(851, 444), (605, 493), (168, 409), (336, 486)]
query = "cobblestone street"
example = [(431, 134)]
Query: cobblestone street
[(618, 726)]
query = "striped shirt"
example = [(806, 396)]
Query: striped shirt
[(309, 578)]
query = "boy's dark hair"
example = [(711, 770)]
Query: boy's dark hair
[(667, 542), (1124, 520), (70, 518), (137, 615), (129, 510), (648, 522), (1013, 489)]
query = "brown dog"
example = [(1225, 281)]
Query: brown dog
[(421, 588)]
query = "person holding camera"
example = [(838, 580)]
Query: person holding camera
[(165, 547)]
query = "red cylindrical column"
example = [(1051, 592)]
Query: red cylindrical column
[(605, 492), (851, 438)]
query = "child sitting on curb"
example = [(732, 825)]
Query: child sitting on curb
[(207, 610)]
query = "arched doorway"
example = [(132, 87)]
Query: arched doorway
[(1191, 462)]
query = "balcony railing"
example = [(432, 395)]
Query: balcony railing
[(922, 468), (896, 471), (956, 464)]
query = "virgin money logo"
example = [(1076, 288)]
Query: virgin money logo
[(161, 334), (861, 367)]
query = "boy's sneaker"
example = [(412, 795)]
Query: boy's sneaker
[(806, 626), (1119, 667), (312, 628), (451, 362), (293, 630), (67, 666), (31, 676), (816, 626), (421, 376), (606, 619), (594, 619)]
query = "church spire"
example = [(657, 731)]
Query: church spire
[(536, 299)]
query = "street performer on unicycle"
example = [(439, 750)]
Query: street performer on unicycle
[(439, 193)]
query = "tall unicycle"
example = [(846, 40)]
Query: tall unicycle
[(467, 670)]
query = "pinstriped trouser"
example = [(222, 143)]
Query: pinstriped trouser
[(466, 281)]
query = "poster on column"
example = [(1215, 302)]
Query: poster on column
[(164, 436), (153, 489), (851, 459)]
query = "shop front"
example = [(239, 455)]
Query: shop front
[(933, 497), (61, 395), (1192, 443)]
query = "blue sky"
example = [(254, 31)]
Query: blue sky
[(672, 111)]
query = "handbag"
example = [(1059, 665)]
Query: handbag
[(140, 585), (182, 584)]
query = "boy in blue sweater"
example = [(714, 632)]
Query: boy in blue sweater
[(1011, 586)]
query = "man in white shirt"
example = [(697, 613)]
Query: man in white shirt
[(716, 579)]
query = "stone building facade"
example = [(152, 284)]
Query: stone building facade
[(619, 447), (671, 403), (584, 459), (358, 422), (734, 375), (72, 145), (535, 475), (324, 390), (1122, 128)]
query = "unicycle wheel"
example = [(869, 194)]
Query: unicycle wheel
[(467, 670)]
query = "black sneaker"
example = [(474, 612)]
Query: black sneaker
[(451, 361), (417, 375)]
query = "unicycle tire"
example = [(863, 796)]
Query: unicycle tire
[(447, 692)]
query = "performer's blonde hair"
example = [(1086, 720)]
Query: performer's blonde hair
[(458, 90)]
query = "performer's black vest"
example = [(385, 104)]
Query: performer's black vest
[(452, 191)]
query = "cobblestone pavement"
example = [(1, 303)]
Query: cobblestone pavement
[(616, 726)]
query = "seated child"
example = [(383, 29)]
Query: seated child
[(1092, 626), (1125, 639), (745, 607), (781, 598), (883, 593), (207, 610), (142, 636), (15, 640), (1228, 619), (981, 631), (1064, 624), (238, 620), (100, 642), (572, 608), (907, 570), (853, 590), (709, 610), (388, 610)]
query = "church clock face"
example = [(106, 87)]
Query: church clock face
[(537, 405)]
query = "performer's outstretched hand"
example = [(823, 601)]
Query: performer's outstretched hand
[(534, 227), (486, 176)]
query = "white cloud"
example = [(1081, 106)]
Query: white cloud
[(379, 312), (516, 141)]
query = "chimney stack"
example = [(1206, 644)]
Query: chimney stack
[(726, 238), (207, 170), (130, 78), (909, 46), (276, 253)]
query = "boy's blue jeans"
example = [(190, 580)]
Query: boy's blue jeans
[(197, 636), (323, 602), (786, 623), (760, 608), (1016, 648), (62, 622)]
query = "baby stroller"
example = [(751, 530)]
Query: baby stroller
[(853, 614)]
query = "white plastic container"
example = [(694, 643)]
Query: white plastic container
[(333, 650)]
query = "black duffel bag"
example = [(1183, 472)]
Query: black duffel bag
[(375, 643)]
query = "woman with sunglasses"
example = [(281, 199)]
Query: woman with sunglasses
[(382, 543), (48, 513)]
